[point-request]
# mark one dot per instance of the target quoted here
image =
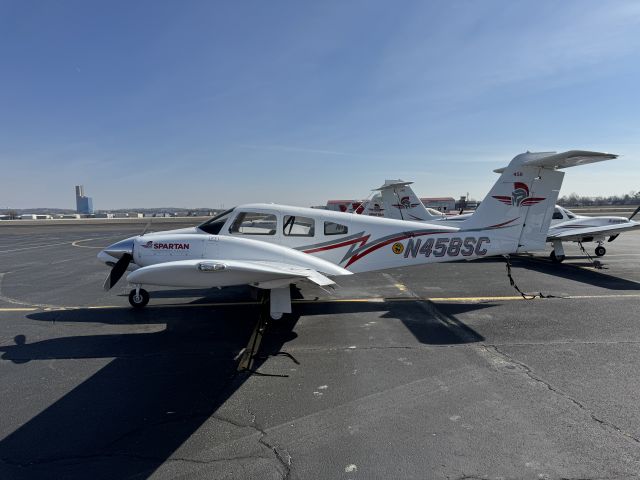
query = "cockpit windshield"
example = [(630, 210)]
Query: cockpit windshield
[(569, 214), (214, 225)]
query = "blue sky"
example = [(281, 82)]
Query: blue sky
[(219, 103)]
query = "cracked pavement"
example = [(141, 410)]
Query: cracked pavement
[(399, 387)]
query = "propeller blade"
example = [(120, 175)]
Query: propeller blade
[(634, 213), (117, 271)]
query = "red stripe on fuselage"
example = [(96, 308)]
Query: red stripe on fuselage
[(358, 256), (361, 240)]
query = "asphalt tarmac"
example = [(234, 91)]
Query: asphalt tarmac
[(441, 371)]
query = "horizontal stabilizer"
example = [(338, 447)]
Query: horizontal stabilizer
[(554, 160), (392, 184)]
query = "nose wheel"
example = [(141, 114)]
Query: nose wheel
[(600, 251), (138, 297)]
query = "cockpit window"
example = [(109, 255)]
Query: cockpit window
[(254, 223), (569, 214), (214, 225), (557, 214), (298, 226)]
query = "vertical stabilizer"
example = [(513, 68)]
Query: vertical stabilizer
[(521, 203), (401, 203)]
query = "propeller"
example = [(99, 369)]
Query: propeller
[(613, 237), (117, 271)]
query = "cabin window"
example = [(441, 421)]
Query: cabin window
[(569, 214), (295, 226), (557, 214), (331, 228), (254, 223)]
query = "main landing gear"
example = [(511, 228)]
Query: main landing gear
[(557, 254), (138, 297), (600, 251)]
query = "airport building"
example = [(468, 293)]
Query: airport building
[(84, 204), (442, 204)]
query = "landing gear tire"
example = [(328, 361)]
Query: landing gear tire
[(555, 258), (600, 251), (138, 299)]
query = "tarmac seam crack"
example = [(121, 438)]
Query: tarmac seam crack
[(281, 455), (529, 373), (278, 452)]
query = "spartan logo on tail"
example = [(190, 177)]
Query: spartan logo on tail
[(405, 202), (519, 196)]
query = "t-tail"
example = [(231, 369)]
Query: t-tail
[(523, 199), (401, 203)]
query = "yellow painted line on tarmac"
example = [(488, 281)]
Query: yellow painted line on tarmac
[(505, 298), (475, 299), (612, 295), (30, 309)]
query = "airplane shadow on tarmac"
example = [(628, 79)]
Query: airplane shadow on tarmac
[(128, 418), (570, 271)]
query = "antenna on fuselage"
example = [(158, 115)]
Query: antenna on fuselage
[(146, 227)]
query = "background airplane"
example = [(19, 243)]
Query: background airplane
[(566, 226)]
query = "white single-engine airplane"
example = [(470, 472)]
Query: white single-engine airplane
[(398, 200), (566, 226), (272, 246)]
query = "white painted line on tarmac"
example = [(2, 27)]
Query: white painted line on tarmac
[(49, 245)]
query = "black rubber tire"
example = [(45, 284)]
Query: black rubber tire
[(554, 258), (141, 301), (600, 251)]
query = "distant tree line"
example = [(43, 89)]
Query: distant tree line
[(575, 200)]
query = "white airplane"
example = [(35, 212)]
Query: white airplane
[(399, 201), (566, 226), (272, 246)]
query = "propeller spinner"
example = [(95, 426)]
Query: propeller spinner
[(123, 251)]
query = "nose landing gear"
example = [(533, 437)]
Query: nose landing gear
[(138, 297)]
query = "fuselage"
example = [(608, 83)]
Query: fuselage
[(564, 222), (354, 242)]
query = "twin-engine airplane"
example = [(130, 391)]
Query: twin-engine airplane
[(398, 200), (272, 246)]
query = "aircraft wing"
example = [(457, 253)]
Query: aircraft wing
[(576, 234), (221, 273), (571, 158)]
